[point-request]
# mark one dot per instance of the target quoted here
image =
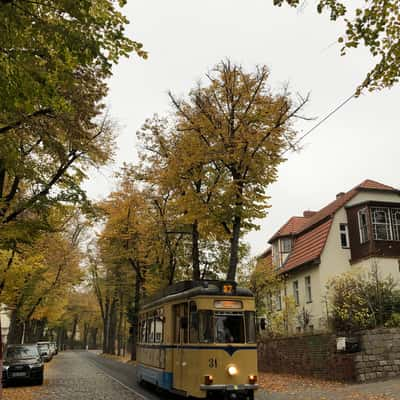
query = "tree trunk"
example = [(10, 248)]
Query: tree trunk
[(15, 331), (85, 335), (135, 318), (59, 339), (195, 252), (120, 320), (73, 333), (106, 325), (93, 338), (113, 327), (234, 253)]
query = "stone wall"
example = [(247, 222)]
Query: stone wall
[(313, 355), (316, 355), (379, 357)]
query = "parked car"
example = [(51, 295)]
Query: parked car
[(22, 362), (54, 348), (45, 351)]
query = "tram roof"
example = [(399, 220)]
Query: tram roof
[(186, 289)]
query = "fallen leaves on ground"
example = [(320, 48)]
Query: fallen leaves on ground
[(21, 393), (293, 383), (302, 387), (364, 396)]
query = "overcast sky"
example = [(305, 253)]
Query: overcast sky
[(186, 38)]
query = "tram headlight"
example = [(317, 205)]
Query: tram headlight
[(208, 379), (252, 379), (232, 370)]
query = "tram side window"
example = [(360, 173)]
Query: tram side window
[(250, 326), (158, 330), (193, 323), (143, 332), (205, 326), (181, 323), (150, 337)]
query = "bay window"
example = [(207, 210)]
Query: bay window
[(385, 223), (381, 228), (395, 215), (363, 225)]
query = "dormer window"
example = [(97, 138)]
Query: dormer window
[(281, 249), (286, 245)]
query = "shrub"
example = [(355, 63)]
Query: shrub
[(362, 302)]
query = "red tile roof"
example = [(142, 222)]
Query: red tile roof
[(308, 247), (311, 233), (335, 205), (370, 184), (291, 227)]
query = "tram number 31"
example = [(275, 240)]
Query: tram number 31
[(212, 362)]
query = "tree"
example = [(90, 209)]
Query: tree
[(183, 181), (375, 25), (264, 283), (43, 162), (44, 43), (130, 239), (243, 128), (36, 286)]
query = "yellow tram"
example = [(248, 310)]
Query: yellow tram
[(197, 338)]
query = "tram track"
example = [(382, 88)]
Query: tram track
[(125, 375)]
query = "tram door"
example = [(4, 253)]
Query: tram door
[(180, 338)]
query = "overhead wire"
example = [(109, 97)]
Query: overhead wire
[(337, 108)]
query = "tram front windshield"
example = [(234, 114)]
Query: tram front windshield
[(225, 327), (229, 328)]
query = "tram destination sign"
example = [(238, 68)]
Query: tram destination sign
[(231, 304)]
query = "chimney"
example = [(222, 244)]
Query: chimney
[(339, 195), (308, 213)]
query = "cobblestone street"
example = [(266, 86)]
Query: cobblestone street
[(71, 376), (87, 376)]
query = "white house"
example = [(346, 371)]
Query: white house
[(4, 322), (360, 228)]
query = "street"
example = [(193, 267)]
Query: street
[(81, 375), (84, 375)]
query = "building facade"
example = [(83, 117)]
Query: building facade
[(4, 323), (358, 231)]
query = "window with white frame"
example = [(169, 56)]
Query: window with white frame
[(281, 249), (344, 236), (286, 245), (395, 216), (296, 294), (307, 281), (363, 224), (286, 248), (381, 228)]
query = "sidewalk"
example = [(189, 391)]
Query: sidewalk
[(282, 387)]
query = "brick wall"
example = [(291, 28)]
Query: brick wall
[(313, 355), (379, 357), (316, 355)]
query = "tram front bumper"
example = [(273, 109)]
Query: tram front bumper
[(229, 388)]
